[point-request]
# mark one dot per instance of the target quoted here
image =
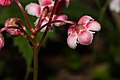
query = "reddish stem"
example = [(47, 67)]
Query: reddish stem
[(48, 26), (43, 37), (25, 15), (69, 22), (43, 15)]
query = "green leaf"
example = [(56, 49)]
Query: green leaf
[(24, 48)]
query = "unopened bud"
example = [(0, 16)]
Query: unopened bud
[(5, 2), (14, 26)]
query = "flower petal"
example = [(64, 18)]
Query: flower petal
[(85, 19), (72, 40), (85, 37), (33, 9), (71, 29), (62, 17), (45, 2), (45, 21), (93, 26)]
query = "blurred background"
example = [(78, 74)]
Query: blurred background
[(98, 61)]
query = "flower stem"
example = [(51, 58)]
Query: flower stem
[(103, 9), (43, 37), (25, 15), (35, 73)]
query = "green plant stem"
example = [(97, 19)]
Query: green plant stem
[(27, 72), (35, 73), (103, 9)]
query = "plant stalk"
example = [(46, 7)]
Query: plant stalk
[(25, 15), (35, 73)]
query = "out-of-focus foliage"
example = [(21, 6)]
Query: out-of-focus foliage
[(98, 61)]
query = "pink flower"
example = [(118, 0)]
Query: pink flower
[(36, 9), (82, 33), (5, 2), (2, 42), (45, 2), (115, 5)]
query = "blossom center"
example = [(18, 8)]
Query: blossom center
[(80, 27)]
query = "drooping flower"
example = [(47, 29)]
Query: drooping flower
[(82, 33), (115, 5), (5, 2), (2, 42)]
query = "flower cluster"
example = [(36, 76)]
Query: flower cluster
[(48, 13), (45, 8)]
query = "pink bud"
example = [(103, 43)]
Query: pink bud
[(13, 26), (5, 2), (1, 41)]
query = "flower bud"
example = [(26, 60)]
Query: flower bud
[(14, 26), (5, 2), (1, 41)]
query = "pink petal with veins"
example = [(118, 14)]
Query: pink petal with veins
[(33, 9), (62, 17), (45, 2), (93, 26), (85, 37), (72, 40), (85, 19)]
